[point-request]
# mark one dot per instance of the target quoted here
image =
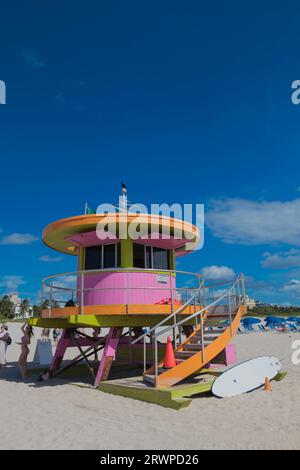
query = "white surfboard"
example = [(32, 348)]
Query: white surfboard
[(246, 376)]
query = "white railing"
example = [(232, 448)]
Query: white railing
[(60, 290), (228, 300)]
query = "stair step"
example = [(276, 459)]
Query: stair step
[(149, 379), (193, 347), (184, 354), (213, 334), (207, 339)]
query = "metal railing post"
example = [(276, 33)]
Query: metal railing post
[(229, 311), (234, 296), (239, 291), (243, 287), (180, 334), (145, 355), (204, 297), (50, 298), (81, 292), (199, 289), (42, 293), (172, 310), (155, 357), (130, 346), (202, 337), (126, 292)]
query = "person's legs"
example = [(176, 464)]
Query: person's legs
[(96, 355), (22, 362)]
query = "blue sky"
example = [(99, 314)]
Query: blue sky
[(186, 102)]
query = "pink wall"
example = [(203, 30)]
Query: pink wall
[(115, 288)]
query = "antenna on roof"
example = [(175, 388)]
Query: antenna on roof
[(123, 198)]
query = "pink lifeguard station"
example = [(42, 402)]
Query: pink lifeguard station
[(126, 281)]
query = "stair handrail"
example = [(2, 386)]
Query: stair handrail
[(190, 317), (239, 279), (172, 314)]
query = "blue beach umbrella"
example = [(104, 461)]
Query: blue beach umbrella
[(250, 321), (271, 319)]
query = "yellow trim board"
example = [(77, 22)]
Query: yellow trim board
[(105, 321), (176, 397)]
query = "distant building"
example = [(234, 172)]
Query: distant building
[(259, 303), (16, 300), (250, 303)]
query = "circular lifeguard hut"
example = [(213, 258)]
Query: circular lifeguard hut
[(126, 280)]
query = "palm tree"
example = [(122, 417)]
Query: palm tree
[(7, 308), (24, 307)]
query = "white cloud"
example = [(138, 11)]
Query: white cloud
[(281, 260), (218, 272), (255, 222), (293, 287), (11, 282), (18, 239), (48, 259)]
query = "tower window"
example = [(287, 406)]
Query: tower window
[(102, 256), (145, 256), (160, 258), (93, 257)]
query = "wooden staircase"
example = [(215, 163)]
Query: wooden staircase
[(215, 331)]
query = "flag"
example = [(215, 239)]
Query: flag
[(88, 209)]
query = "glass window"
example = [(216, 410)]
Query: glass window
[(103, 256), (138, 255), (109, 258), (93, 257), (118, 263), (148, 257), (160, 258)]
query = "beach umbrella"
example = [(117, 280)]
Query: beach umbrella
[(271, 319), (250, 320), (294, 319)]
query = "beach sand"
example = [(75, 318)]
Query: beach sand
[(59, 415)]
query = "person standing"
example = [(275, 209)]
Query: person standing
[(56, 334), (3, 344), (25, 341)]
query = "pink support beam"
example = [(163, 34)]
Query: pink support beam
[(61, 347), (66, 341), (109, 354), (227, 357)]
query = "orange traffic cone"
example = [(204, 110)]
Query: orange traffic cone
[(169, 361), (268, 386)]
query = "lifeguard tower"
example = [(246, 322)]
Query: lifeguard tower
[(130, 287)]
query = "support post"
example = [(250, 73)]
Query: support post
[(63, 343), (109, 354)]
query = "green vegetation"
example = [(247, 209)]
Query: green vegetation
[(266, 310), (7, 309)]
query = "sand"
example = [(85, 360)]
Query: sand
[(59, 415)]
